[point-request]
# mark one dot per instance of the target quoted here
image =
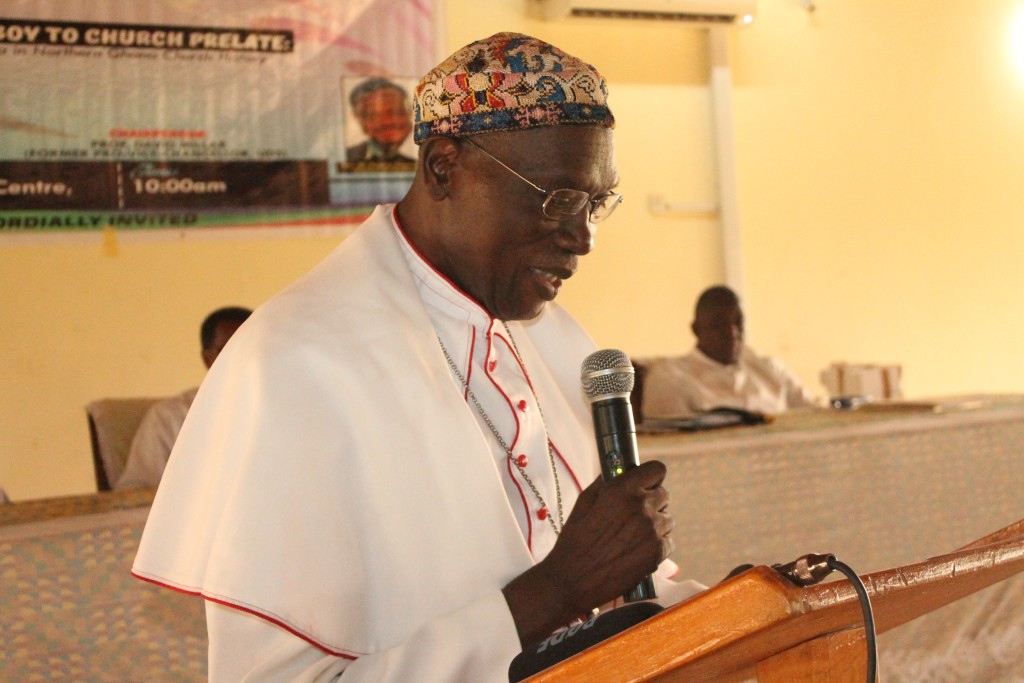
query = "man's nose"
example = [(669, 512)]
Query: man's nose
[(577, 234)]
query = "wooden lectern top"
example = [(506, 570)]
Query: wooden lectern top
[(731, 630)]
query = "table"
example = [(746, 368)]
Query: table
[(71, 609), (878, 487)]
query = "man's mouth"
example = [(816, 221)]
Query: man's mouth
[(550, 280)]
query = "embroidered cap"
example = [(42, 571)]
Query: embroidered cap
[(509, 81)]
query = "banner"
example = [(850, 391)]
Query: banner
[(185, 114)]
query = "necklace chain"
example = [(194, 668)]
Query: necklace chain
[(551, 454), (501, 442)]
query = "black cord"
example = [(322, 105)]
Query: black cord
[(869, 618)]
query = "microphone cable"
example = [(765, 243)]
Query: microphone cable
[(811, 569), (869, 617)]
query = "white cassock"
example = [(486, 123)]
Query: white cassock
[(332, 493)]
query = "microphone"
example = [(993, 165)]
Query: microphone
[(577, 638), (607, 378)]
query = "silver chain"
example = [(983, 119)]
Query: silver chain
[(505, 447), (551, 455)]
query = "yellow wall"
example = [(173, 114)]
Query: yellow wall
[(81, 325), (879, 162)]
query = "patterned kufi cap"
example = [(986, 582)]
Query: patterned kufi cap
[(509, 81)]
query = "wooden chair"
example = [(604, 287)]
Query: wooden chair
[(112, 426)]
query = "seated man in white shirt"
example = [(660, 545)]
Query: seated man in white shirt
[(721, 371), (151, 446)]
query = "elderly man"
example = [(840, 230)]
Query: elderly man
[(721, 371), (391, 474)]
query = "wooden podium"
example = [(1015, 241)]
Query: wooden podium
[(759, 624)]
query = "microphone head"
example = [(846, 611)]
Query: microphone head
[(606, 373)]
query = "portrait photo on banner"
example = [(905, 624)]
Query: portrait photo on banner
[(377, 132)]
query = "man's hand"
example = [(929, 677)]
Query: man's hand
[(618, 532)]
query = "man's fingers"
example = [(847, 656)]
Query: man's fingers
[(587, 498), (648, 475)]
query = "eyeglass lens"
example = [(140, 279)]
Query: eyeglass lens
[(566, 203)]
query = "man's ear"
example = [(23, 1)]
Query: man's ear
[(439, 158)]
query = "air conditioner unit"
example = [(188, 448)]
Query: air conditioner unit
[(697, 11)]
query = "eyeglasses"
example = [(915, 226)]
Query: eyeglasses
[(562, 204)]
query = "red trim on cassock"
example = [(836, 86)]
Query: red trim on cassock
[(249, 610), (469, 362), (568, 469), (526, 504), (511, 406), (515, 439), (566, 465), (405, 236)]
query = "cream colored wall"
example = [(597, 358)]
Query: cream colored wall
[(880, 161), (80, 324), (878, 153)]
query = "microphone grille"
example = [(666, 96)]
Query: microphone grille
[(606, 372)]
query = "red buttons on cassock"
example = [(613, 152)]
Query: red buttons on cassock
[(542, 514), (493, 364), (522, 460), (523, 405)]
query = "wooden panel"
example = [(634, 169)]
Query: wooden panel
[(834, 658)]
